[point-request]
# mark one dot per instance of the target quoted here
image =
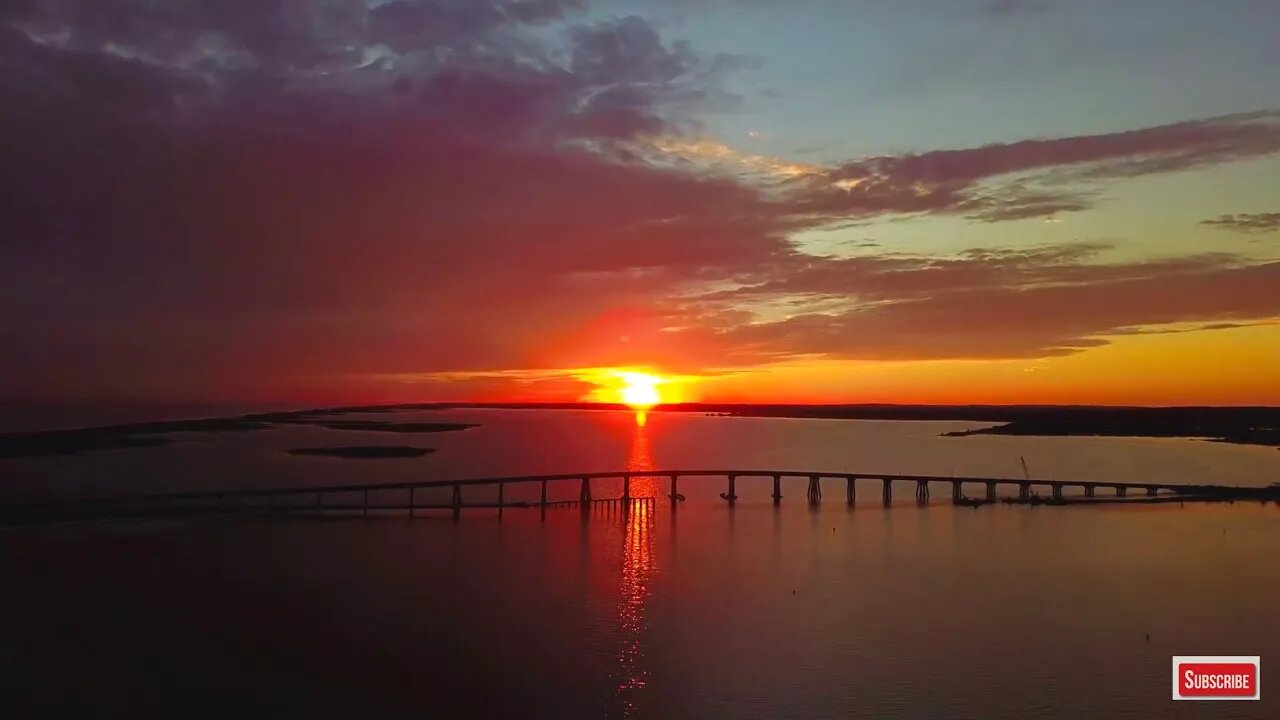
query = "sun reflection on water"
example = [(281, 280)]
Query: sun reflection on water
[(637, 575)]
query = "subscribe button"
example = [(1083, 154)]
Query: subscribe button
[(1227, 677)]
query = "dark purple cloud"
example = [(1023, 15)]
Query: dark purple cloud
[(173, 227), (281, 34)]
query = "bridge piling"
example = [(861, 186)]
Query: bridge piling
[(888, 490), (1024, 490), (501, 496), (411, 489), (457, 501), (584, 495), (991, 491), (1057, 492), (814, 493), (1090, 489), (1151, 491), (626, 488), (957, 490), (850, 491), (731, 495), (1122, 490), (777, 489), (675, 492)]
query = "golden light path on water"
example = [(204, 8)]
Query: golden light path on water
[(637, 574)]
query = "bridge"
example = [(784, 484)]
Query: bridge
[(409, 496)]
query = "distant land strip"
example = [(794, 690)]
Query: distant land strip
[(152, 434), (1243, 425), (1247, 425), (365, 452)]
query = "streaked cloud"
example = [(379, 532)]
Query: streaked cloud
[(715, 155), (994, 304), (1246, 222), (1031, 178)]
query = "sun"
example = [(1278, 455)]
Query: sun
[(639, 390), (637, 387)]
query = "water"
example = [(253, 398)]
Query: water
[(513, 442), (704, 611)]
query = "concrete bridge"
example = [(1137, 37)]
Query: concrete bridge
[(408, 496)]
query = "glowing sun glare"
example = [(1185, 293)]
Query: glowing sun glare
[(639, 390)]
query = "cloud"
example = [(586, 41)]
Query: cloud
[(257, 199), (1030, 178), (719, 157), (299, 36), (1022, 205), (477, 65), (890, 278), (996, 305), (1246, 222), (219, 229), (1176, 328)]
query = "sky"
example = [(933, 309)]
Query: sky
[(348, 201)]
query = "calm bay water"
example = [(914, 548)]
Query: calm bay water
[(701, 611)]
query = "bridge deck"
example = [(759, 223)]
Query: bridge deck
[(285, 499)]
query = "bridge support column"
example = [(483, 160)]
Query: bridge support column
[(1151, 492), (850, 491), (457, 501), (815, 489), (732, 494), (956, 491), (501, 495), (675, 491), (543, 502), (626, 489), (888, 491), (991, 492), (1057, 492), (1024, 490), (366, 503), (1090, 490), (584, 495), (777, 489), (411, 502), (922, 490), (1122, 490)]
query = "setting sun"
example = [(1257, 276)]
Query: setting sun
[(638, 387), (639, 390)]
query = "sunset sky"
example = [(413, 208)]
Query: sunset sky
[(936, 201)]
